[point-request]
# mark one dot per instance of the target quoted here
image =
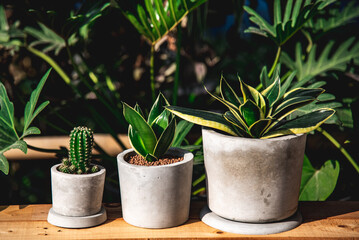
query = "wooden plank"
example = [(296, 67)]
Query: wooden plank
[(322, 220), (105, 141)]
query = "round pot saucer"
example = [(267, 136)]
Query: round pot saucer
[(76, 222), (215, 221)]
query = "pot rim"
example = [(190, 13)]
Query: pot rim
[(187, 155), (88, 175), (233, 138)]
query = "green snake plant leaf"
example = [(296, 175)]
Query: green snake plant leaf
[(30, 112), (294, 17), (204, 118), (301, 124), (136, 142), (157, 108), (250, 112), (141, 126), (251, 93), (156, 18), (328, 60), (303, 92), (228, 93), (240, 126), (139, 110), (272, 92), (291, 105), (318, 184), (258, 128), (161, 123), (182, 129), (166, 139)]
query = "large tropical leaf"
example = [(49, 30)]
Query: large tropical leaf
[(318, 184), (9, 138), (155, 18), (327, 60), (338, 16), (204, 118), (295, 15)]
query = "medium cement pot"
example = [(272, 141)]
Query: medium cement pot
[(253, 180), (77, 199), (156, 196)]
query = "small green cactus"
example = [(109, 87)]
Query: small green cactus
[(79, 161)]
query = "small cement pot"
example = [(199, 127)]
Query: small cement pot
[(253, 180), (156, 196), (77, 199)]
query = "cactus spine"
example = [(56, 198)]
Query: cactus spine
[(79, 161)]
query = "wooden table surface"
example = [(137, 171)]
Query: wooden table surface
[(322, 220)]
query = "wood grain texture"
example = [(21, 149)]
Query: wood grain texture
[(322, 220)]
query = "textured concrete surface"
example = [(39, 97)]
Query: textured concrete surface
[(77, 195), (77, 222), (213, 220), (253, 180), (156, 196)]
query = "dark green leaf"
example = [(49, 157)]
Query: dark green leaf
[(161, 123), (136, 142), (139, 124), (228, 93), (165, 140), (259, 127), (157, 108), (250, 112)]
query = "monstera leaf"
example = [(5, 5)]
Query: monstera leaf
[(295, 15), (327, 60), (156, 18), (9, 138)]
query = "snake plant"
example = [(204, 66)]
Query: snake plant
[(152, 138), (262, 114)]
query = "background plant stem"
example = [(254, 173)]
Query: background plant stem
[(275, 62), (52, 63), (152, 73), (339, 146), (178, 61)]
